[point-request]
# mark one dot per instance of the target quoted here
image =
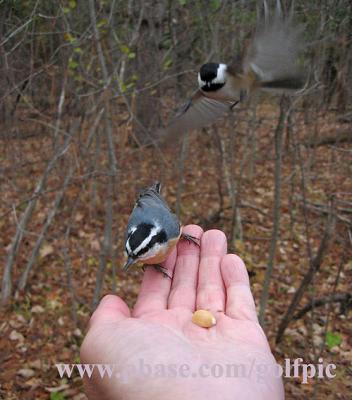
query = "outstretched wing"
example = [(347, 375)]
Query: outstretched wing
[(199, 111), (273, 53)]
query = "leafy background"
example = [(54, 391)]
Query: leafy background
[(84, 85)]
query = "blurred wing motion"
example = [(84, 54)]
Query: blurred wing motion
[(199, 111), (273, 53)]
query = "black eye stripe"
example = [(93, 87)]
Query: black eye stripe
[(138, 236), (160, 237)]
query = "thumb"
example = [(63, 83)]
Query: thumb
[(110, 309)]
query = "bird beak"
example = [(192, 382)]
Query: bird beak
[(129, 262)]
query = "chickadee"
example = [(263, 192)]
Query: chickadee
[(152, 231), (270, 63)]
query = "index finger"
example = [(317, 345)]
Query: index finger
[(155, 289), (184, 282)]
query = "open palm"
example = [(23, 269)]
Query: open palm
[(156, 350)]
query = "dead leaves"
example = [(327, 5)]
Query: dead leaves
[(46, 250), (16, 336)]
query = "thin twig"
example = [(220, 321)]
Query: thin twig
[(49, 219), (307, 279), (284, 107), (106, 244)]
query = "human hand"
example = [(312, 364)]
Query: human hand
[(159, 353)]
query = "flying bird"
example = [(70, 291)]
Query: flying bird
[(269, 63)]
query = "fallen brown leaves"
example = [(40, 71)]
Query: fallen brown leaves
[(37, 328)]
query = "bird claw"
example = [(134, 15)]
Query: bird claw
[(158, 268), (190, 239), (234, 104)]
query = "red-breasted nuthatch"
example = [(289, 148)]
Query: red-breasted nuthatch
[(152, 230), (269, 63)]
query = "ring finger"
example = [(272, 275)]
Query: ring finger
[(211, 290)]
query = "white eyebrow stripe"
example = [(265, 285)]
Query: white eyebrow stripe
[(147, 240)]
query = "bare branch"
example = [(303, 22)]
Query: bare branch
[(284, 109), (312, 270), (21, 227)]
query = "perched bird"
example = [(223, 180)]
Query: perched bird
[(269, 63), (152, 230)]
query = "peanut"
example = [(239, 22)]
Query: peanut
[(204, 319)]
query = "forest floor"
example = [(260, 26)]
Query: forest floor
[(37, 328)]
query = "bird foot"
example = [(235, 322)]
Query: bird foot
[(190, 239), (158, 268), (236, 102)]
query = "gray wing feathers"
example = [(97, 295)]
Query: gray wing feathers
[(151, 207), (201, 112), (274, 50), (151, 197)]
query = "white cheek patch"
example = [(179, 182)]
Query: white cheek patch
[(200, 82), (221, 74)]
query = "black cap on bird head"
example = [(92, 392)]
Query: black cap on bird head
[(212, 76)]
